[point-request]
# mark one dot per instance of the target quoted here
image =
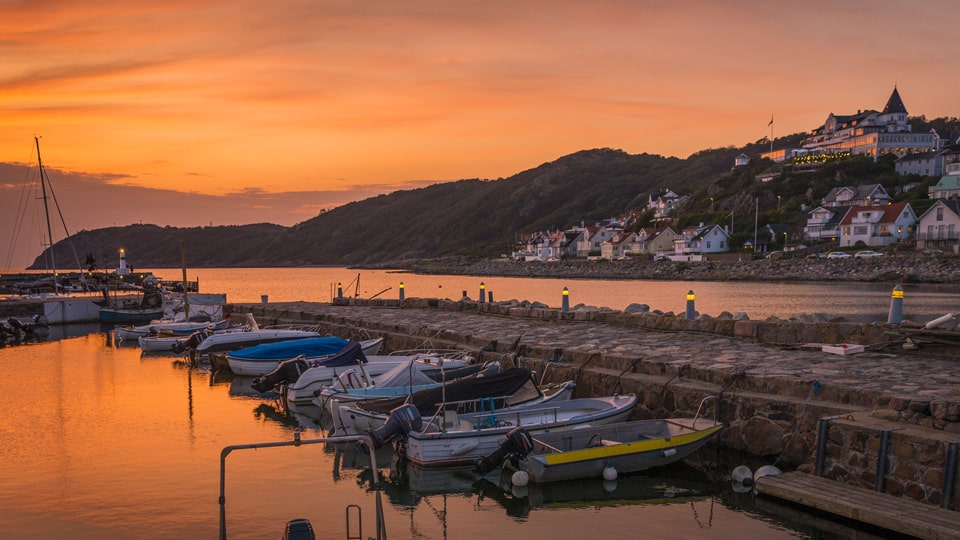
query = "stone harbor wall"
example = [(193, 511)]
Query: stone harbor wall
[(770, 382)]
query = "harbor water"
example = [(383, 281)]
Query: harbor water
[(854, 301), (100, 441)]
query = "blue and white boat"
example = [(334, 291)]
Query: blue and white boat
[(264, 358)]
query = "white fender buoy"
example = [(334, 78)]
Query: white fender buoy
[(520, 478), (741, 479), (766, 470), (609, 472)]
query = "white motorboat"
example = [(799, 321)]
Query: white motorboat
[(512, 387), (413, 375), (462, 438), (167, 328), (303, 387)]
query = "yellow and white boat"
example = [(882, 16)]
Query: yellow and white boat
[(603, 450)]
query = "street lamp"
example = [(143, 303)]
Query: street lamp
[(778, 202), (784, 239)]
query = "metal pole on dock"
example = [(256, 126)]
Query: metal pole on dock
[(339, 290), (483, 293), (401, 291), (691, 312), (896, 306), (565, 306)]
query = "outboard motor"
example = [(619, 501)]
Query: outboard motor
[(518, 443), (191, 341), (402, 420), (287, 372)]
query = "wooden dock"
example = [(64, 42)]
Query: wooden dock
[(878, 509)]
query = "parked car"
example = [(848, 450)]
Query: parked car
[(866, 254), (838, 255), (933, 251), (817, 255)]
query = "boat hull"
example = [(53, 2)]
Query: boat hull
[(627, 447), (479, 435), (350, 420), (253, 367), (314, 380), (230, 341), (112, 315)]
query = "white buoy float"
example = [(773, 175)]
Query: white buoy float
[(520, 478), (741, 479), (609, 472), (766, 470)]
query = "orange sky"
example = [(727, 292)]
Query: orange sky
[(293, 106)]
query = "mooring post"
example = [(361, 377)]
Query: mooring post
[(896, 306), (822, 428), (882, 460), (949, 475), (401, 291), (339, 290), (690, 306), (565, 306), (483, 293)]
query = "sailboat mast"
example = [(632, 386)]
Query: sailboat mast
[(46, 210)]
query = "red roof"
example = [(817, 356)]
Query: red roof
[(890, 212)]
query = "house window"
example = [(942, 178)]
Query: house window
[(860, 230), (708, 244), (939, 213)]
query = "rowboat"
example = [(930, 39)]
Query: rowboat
[(264, 358), (461, 439), (606, 450)]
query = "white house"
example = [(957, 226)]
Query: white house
[(592, 238), (872, 194), (619, 246), (939, 226), (664, 203), (823, 223), (877, 226), (702, 239)]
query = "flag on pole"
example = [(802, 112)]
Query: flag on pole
[(771, 121)]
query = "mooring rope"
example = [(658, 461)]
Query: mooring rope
[(814, 390)]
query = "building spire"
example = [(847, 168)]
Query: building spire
[(894, 104)]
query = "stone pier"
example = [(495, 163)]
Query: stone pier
[(889, 415)]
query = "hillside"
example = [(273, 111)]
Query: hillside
[(483, 218)]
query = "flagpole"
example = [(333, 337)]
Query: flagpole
[(771, 133)]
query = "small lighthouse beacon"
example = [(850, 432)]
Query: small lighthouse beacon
[(123, 270)]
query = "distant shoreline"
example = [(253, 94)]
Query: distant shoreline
[(895, 269)]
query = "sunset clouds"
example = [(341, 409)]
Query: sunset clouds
[(214, 97)]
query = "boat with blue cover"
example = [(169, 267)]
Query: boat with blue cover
[(264, 358)]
